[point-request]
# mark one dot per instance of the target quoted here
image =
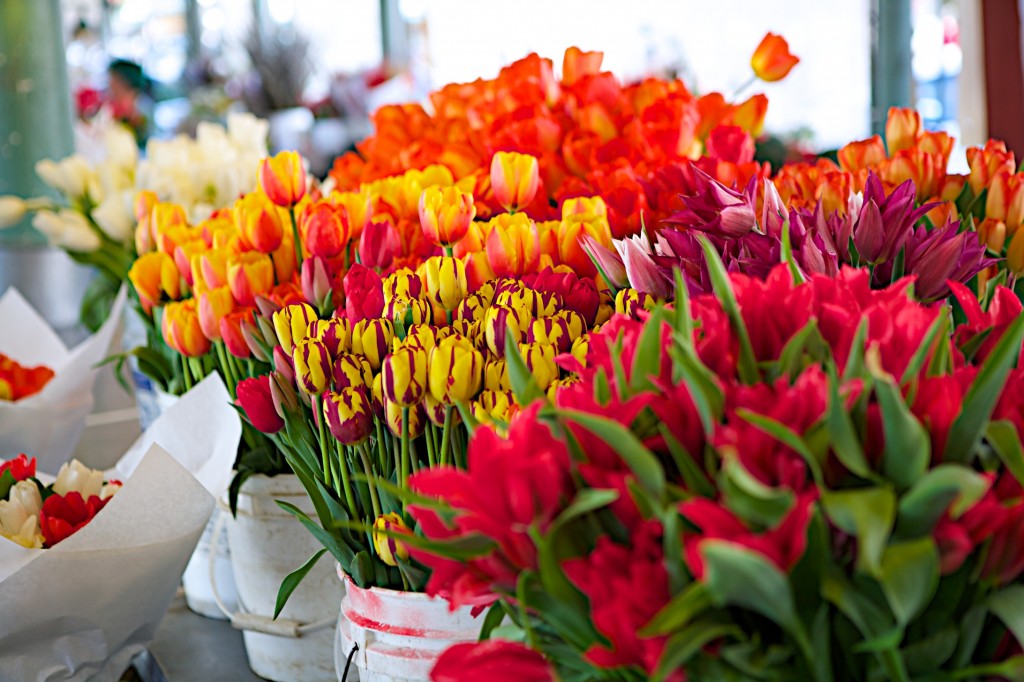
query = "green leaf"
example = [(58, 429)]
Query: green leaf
[(338, 549), (685, 644), (495, 615), (748, 497), (586, 501), (909, 577), (982, 396), (868, 514), (683, 608), (292, 580), (524, 387), (907, 446), (845, 443), (647, 361), (706, 394), (748, 371), (855, 367), (786, 436), (1008, 606), (362, 570), (6, 483), (1003, 437), (930, 653), (737, 576), (693, 476), (791, 359), (921, 354), (947, 484), (683, 323), (787, 255), (641, 461)]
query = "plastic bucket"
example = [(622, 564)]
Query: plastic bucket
[(267, 543), (395, 636)]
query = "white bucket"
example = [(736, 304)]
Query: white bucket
[(399, 635), (197, 580), (267, 543)]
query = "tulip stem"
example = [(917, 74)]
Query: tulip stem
[(374, 498), (226, 369), (405, 446), (446, 434), (428, 436), (186, 374), (382, 453), (747, 84), (295, 235)]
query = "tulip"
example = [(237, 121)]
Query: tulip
[(403, 282), (74, 476), (580, 348), (857, 156), (772, 60), (641, 270), (515, 179), (164, 218), (496, 375), (232, 331), (446, 214), (364, 294), (260, 222), (335, 333), (184, 255), (472, 308), (478, 271), (992, 233), (408, 311), (249, 275), (67, 229), (1005, 200), (71, 176), (182, 331), (213, 306), (498, 322), (550, 331), (283, 179), (12, 210), (558, 384), (540, 360), (608, 262), (495, 405), (282, 392), (988, 162), (902, 129), (20, 523), (1015, 253), (444, 279), (394, 420), (351, 371), (380, 243), (254, 396), (513, 246), (455, 371), (630, 302), (371, 338), (292, 324), (324, 228), (155, 278), (571, 251), (348, 415), (357, 210), (213, 267), (312, 364), (926, 171), (404, 376), (420, 336), (389, 549), (315, 281)]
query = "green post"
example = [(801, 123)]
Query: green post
[(890, 60), (35, 101)]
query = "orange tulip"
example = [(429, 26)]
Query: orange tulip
[(283, 179), (547, 233), (284, 260), (926, 170), (155, 278), (357, 208), (936, 142), (446, 214), (232, 331), (941, 214), (515, 179), (1005, 200), (992, 233), (571, 252), (513, 246), (260, 222), (144, 203), (213, 267), (183, 254), (772, 60), (182, 331), (249, 274), (472, 242), (857, 156), (324, 228), (213, 306), (987, 162), (749, 115), (902, 129), (576, 64), (478, 270)]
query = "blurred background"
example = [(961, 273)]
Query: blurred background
[(316, 69)]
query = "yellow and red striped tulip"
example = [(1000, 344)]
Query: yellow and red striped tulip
[(404, 376), (371, 338), (444, 279), (351, 370), (446, 214), (348, 415), (312, 364), (513, 246), (250, 274), (455, 370), (283, 178), (291, 324), (540, 360), (389, 549), (515, 179)]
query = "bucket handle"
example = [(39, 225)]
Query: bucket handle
[(282, 627)]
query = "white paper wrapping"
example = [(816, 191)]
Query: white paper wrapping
[(48, 425), (83, 609)]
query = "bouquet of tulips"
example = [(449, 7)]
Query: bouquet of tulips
[(786, 478)]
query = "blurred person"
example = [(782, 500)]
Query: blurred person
[(129, 97)]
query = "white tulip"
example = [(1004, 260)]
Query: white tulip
[(115, 217), (76, 477), (249, 132), (26, 493), (121, 147), (71, 176), (67, 229), (12, 210), (108, 490), (19, 523)]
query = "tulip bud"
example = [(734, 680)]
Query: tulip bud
[(325, 229), (282, 392), (445, 280), (408, 311), (472, 308), (404, 376), (213, 306), (351, 371), (316, 283), (772, 60), (496, 375), (1005, 200), (335, 333), (446, 214), (1015, 253), (348, 415), (455, 371), (260, 222), (498, 321), (393, 418), (988, 162), (249, 274), (213, 267), (312, 365), (902, 128), (380, 244), (523, 299), (292, 324), (181, 329), (283, 179), (371, 338), (233, 331), (155, 278), (283, 363), (992, 233), (630, 302), (389, 549), (584, 206), (254, 396), (513, 246), (12, 210), (540, 360), (495, 405), (515, 179)]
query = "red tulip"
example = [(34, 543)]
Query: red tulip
[(255, 399), (21, 467), (364, 294), (494, 660), (63, 515)]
